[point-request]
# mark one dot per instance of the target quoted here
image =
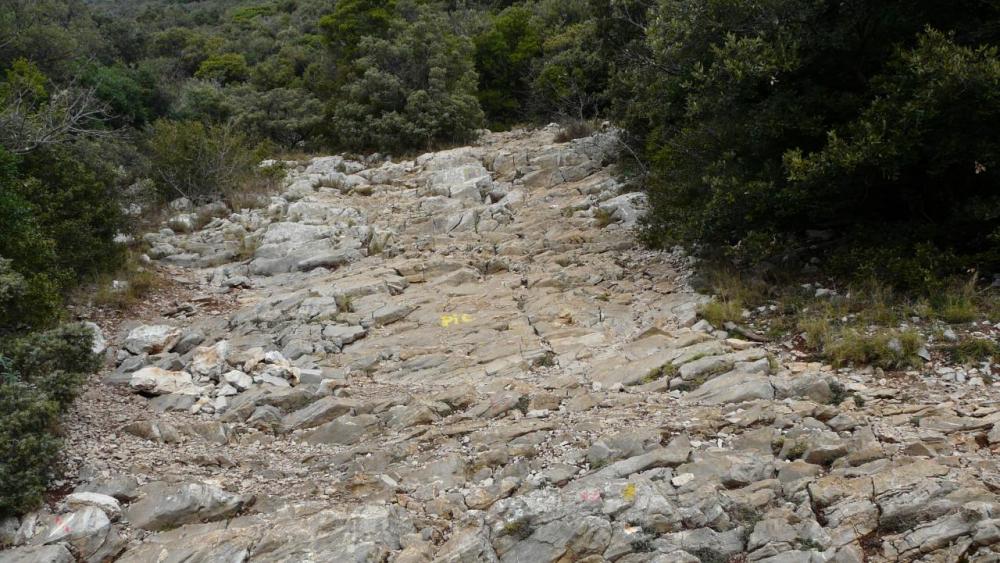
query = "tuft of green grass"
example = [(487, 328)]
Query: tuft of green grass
[(666, 370), (958, 305), (957, 310), (139, 282), (797, 450), (875, 303), (885, 349), (817, 332), (808, 544), (693, 384), (838, 392), (642, 545), (718, 313), (773, 364), (973, 350), (546, 360), (345, 303), (602, 217), (522, 404), (729, 284), (575, 129), (519, 529)]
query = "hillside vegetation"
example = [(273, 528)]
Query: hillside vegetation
[(789, 139)]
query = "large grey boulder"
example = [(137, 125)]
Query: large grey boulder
[(156, 381), (38, 554), (88, 530), (320, 412), (626, 209), (291, 535), (162, 505), (151, 339), (344, 430), (733, 387)]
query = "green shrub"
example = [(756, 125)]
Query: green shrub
[(202, 162), (73, 198), (55, 360), (876, 122), (414, 90), (224, 68), (504, 55), (28, 445), (58, 219), (572, 77), (350, 22), (130, 94), (886, 349), (975, 350), (288, 116), (203, 100), (718, 313), (40, 374), (24, 301)]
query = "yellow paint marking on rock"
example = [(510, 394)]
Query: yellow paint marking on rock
[(448, 320), (629, 492)]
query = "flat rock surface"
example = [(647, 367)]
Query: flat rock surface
[(467, 357)]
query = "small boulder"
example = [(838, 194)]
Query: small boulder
[(156, 381), (238, 379), (108, 504), (151, 339), (164, 505), (210, 361)]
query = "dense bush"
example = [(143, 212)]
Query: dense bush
[(28, 445), (55, 360), (198, 161), (289, 116), (72, 197), (39, 376), (572, 77), (505, 57), (224, 68), (58, 219), (130, 94), (415, 89), (871, 121)]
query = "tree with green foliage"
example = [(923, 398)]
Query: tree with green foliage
[(34, 113), (875, 122), (224, 68), (289, 116), (572, 77), (414, 90), (351, 22), (202, 100), (40, 375), (200, 161), (129, 94), (505, 55), (72, 198), (58, 220)]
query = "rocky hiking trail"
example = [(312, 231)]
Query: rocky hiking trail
[(467, 357)]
